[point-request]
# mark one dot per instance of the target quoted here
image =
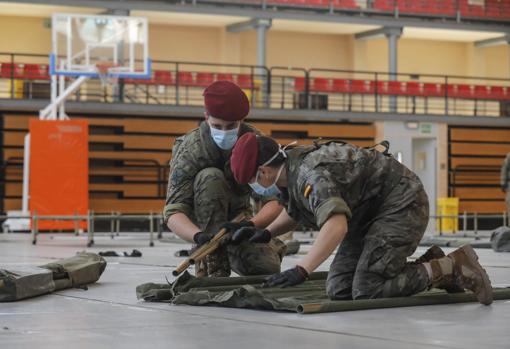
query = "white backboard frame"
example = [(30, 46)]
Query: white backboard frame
[(125, 36)]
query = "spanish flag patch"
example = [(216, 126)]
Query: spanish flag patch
[(308, 190)]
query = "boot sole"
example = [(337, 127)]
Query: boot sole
[(485, 296)]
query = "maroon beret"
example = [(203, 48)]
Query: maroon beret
[(225, 100), (243, 161)]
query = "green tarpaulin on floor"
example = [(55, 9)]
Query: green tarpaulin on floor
[(309, 297)]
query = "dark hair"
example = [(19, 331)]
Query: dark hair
[(267, 148)]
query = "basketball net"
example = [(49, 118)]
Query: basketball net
[(104, 70)]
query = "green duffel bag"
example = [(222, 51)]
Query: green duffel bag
[(83, 269), (25, 282)]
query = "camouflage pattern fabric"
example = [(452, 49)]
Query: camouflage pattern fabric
[(342, 178), (215, 204), (372, 260), (201, 185), (191, 154), (387, 210), (505, 179)]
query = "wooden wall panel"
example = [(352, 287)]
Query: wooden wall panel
[(146, 138), (475, 158)]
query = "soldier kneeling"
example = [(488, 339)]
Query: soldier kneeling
[(362, 201), (203, 197)]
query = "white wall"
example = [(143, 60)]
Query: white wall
[(409, 142)]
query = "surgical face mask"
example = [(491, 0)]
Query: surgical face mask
[(224, 139), (273, 189)]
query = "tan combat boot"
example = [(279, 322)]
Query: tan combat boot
[(435, 252), (461, 268)]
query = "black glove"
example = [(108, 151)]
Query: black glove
[(287, 278), (232, 227), (202, 238), (251, 234)]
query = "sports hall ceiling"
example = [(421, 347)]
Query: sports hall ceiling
[(171, 18)]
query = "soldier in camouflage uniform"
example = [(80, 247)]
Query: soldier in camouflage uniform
[(202, 195), (365, 202), (505, 181)]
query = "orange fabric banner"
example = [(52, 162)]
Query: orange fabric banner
[(59, 170)]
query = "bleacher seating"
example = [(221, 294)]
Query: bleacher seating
[(404, 88), (129, 156), (475, 158), (316, 84), (496, 9)]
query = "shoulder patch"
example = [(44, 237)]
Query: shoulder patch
[(308, 190)]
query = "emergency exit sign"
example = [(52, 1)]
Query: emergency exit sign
[(426, 128)]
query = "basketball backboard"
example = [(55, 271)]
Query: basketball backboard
[(83, 45)]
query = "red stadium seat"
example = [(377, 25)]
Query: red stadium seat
[(382, 87), (359, 86), (370, 87), (321, 85), (36, 72), (470, 10), (433, 90), (390, 88), (185, 78), (496, 92), (460, 91), (414, 88), (204, 79), (8, 70), (481, 92), (225, 76), (452, 91), (396, 88), (442, 7), (507, 93), (384, 5), (465, 91), (299, 84), (316, 3), (162, 77), (245, 81), (345, 4), (340, 86)]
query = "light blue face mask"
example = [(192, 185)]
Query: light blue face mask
[(224, 139), (273, 189)]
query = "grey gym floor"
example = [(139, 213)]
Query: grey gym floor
[(108, 315)]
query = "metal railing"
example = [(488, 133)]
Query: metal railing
[(156, 220), (457, 9), (469, 220), (90, 218), (182, 83)]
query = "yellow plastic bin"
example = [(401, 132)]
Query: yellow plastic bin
[(447, 207)]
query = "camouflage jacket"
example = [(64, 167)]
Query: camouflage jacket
[(192, 153), (505, 173), (336, 178)]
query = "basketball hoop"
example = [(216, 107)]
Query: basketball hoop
[(104, 70)]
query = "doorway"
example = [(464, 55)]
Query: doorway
[(424, 165)]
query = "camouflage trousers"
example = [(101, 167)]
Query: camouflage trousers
[(507, 199), (214, 204), (372, 262)]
